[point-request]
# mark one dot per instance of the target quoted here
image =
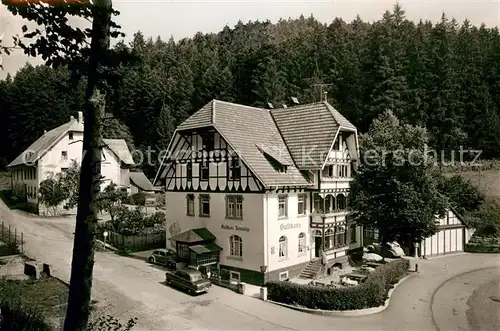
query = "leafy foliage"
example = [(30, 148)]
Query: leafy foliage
[(371, 293), (489, 219), (463, 195), (134, 221), (52, 193), (395, 189), (111, 199), (110, 323)]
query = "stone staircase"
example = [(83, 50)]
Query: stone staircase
[(311, 270)]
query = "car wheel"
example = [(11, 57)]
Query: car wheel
[(151, 260)]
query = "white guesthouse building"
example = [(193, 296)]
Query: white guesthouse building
[(259, 194), (56, 150)]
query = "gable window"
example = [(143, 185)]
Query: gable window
[(283, 169), (330, 171), (235, 246), (204, 205), (70, 136), (64, 155), (234, 206), (234, 169), (282, 206), (302, 204), (204, 173), (189, 171), (283, 247), (302, 243), (190, 204), (208, 142)]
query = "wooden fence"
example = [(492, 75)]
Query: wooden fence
[(150, 240), (10, 235)]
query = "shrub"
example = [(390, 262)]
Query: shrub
[(372, 293), (138, 199)]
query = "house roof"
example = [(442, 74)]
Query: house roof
[(119, 148), (309, 131), (249, 131), (43, 144), (139, 179), (193, 236)]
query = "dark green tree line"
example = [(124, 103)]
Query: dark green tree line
[(443, 76)]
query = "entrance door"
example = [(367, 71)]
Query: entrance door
[(317, 246)]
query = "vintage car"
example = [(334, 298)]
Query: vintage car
[(188, 279), (389, 250), (163, 256)]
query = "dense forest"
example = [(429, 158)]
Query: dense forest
[(444, 76)]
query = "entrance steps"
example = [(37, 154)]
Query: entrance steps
[(311, 270)]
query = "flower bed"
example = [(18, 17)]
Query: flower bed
[(372, 293)]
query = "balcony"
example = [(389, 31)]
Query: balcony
[(330, 205)]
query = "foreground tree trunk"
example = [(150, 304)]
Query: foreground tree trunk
[(78, 310)]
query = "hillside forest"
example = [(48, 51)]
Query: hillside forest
[(444, 76)]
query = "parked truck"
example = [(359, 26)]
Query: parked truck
[(188, 279)]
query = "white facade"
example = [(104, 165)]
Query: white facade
[(54, 154), (450, 238)]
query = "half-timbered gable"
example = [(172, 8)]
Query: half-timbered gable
[(239, 148)]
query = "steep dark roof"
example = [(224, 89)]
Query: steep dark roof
[(245, 128), (309, 131), (43, 144)]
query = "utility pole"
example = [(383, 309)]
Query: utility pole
[(323, 93)]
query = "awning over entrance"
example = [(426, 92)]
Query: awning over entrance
[(193, 236), (205, 248)]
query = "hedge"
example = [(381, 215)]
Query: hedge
[(372, 293)]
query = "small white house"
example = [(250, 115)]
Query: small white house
[(55, 151)]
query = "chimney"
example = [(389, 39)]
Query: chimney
[(285, 106), (80, 117), (44, 131), (295, 100), (270, 105), (71, 118), (326, 96)]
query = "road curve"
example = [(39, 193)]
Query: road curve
[(463, 302)]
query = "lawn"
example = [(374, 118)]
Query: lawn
[(47, 296)]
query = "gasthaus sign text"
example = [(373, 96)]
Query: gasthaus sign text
[(289, 226), (237, 228)]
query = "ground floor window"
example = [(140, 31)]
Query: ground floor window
[(234, 277), (283, 275), (283, 247)]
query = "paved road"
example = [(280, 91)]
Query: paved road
[(469, 301), (130, 287)]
